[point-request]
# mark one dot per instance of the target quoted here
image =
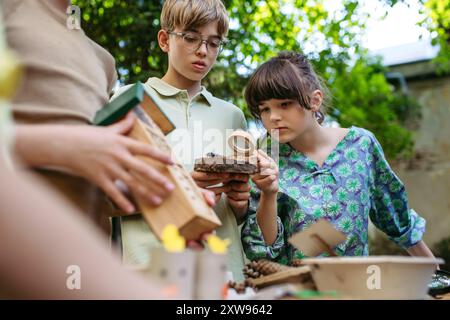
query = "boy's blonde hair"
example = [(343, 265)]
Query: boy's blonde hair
[(193, 14)]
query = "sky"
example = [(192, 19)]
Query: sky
[(398, 28), (392, 36)]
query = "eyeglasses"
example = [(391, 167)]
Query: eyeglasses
[(193, 41)]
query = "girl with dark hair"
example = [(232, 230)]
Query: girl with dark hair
[(336, 174)]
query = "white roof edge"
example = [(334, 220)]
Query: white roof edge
[(407, 53)]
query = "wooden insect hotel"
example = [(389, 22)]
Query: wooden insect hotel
[(185, 207)]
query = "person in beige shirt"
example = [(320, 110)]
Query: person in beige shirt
[(67, 79), (192, 34), (34, 262)]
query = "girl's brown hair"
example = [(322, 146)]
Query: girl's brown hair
[(289, 75)]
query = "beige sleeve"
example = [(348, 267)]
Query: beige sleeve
[(113, 83), (9, 7)]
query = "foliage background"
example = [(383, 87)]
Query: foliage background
[(438, 21), (329, 32)]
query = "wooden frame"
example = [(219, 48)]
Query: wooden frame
[(243, 160)]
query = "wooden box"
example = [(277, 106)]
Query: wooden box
[(185, 207), (374, 277), (198, 275)]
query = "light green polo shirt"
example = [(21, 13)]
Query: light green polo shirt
[(203, 125)]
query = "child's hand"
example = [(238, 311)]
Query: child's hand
[(267, 179), (105, 155), (209, 197), (239, 194), (206, 180)]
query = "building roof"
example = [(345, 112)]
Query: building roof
[(407, 53)]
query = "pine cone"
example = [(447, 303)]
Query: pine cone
[(266, 267), (297, 263), (250, 270), (241, 287)]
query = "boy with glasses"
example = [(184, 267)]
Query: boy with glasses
[(192, 35)]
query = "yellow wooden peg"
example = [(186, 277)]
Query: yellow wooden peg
[(217, 245), (10, 73), (172, 240)]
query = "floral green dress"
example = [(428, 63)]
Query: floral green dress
[(354, 183)]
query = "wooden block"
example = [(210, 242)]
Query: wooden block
[(219, 164), (185, 207), (157, 115), (320, 237), (132, 97)]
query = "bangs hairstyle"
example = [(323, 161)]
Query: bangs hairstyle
[(193, 14), (288, 76)]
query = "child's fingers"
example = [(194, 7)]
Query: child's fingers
[(209, 196), (195, 245), (265, 181), (261, 157), (266, 167), (125, 125), (265, 160), (206, 184), (206, 176), (114, 193), (140, 148), (263, 163), (238, 177), (239, 186), (266, 171), (269, 179), (219, 190), (262, 153), (257, 177)]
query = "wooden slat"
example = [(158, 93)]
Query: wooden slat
[(293, 275)]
